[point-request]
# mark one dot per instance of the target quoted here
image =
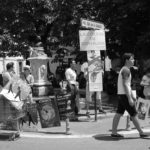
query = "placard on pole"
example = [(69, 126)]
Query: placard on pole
[(93, 41), (95, 69)]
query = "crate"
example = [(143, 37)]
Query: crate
[(9, 115)]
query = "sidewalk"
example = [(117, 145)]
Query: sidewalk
[(85, 127), (108, 105)]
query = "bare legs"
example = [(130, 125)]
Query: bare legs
[(116, 120), (136, 124)]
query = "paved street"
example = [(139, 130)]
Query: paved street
[(85, 135)]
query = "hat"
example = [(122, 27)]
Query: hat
[(27, 67)]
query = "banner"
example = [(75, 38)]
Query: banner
[(95, 69), (92, 40)]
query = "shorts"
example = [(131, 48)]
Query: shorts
[(123, 104)]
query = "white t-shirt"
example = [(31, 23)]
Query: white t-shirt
[(71, 76), (121, 89)]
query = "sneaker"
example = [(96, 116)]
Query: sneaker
[(102, 111), (117, 135), (143, 135)]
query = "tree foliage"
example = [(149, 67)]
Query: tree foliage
[(56, 23)]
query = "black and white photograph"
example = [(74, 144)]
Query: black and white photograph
[(74, 74)]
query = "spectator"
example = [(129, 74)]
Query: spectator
[(84, 68), (7, 76), (28, 77), (146, 83), (71, 77)]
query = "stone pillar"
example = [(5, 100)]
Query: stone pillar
[(41, 87)]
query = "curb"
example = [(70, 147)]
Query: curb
[(99, 116)]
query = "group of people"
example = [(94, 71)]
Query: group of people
[(9, 78), (72, 85), (126, 97)]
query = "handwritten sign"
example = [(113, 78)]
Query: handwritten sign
[(92, 40), (64, 105)]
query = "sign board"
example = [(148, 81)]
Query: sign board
[(91, 24), (64, 105), (95, 69), (48, 112), (92, 40)]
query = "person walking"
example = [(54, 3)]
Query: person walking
[(126, 98)]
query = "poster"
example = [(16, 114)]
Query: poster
[(48, 112), (95, 69), (143, 108)]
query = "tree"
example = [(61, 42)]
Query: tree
[(56, 23)]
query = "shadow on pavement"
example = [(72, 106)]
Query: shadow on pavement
[(55, 133), (107, 137)]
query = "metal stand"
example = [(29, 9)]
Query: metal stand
[(67, 126), (67, 119), (95, 106)]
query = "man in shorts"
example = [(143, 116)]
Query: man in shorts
[(126, 97)]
